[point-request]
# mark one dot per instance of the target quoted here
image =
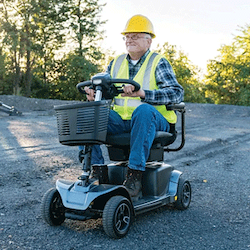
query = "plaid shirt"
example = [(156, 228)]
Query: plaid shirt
[(169, 90)]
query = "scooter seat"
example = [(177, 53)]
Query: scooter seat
[(164, 138)]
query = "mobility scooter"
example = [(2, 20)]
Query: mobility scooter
[(86, 124)]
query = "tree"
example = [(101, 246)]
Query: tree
[(70, 71), (186, 73), (84, 24), (228, 78), (10, 41), (86, 59), (49, 18), (2, 72), (31, 32)]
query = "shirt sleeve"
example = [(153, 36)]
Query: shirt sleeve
[(108, 70), (170, 91)]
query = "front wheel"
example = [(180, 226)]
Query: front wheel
[(52, 209), (117, 216), (183, 194)]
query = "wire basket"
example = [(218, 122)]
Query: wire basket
[(83, 123)]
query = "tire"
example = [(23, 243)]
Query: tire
[(52, 209), (183, 194), (117, 216)]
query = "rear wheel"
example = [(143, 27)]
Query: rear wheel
[(117, 216), (52, 209), (183, 194)]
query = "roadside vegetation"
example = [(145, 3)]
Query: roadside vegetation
[(48, 46)]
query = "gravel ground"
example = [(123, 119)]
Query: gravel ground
[(215, 159)]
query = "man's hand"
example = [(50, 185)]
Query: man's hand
[(90, 93), (128, 91)]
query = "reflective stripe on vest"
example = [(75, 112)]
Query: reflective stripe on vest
[(130, 102), (146, 78), (118, 64)]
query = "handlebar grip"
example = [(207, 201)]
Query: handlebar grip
[(132, 82), (81, 85)]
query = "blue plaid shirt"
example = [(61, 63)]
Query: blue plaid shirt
[(170, 91)]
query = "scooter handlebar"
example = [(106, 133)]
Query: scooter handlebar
[(80, 86), (126, 81), (106, 82)]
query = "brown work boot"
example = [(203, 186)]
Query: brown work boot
[(133, 183), (99, 172)]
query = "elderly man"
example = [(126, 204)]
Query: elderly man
[(143, 112)]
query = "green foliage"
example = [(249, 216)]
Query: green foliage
[(30, 32), (85, 23), (228, 78), (33, 32), (48, 46), (70, 71), (186, 73)]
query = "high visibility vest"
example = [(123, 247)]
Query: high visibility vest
[(125, 106)]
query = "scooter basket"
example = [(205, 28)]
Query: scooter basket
[(83, 123)]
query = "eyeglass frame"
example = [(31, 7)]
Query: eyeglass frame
[(135, 37)]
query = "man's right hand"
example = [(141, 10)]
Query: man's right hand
[(90, 93)]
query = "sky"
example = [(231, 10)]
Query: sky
[(197, 27)]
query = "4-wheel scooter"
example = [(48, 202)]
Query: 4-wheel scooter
[(86, 124)]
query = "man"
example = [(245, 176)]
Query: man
[(143, 112)]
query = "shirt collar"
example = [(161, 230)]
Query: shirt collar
[(142, 59)]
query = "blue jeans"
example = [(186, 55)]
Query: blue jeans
[(146, 120)]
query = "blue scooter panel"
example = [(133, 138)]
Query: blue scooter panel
[(76, 196)]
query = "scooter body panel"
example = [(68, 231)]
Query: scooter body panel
[(76, 196), (155, 181), (150, 202), (173, 184), (160, 184)]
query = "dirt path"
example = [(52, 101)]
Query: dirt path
[(216, 159)]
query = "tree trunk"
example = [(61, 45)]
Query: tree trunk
[(17, 76), (28, 76)]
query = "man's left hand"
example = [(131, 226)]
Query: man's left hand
[(128, 91)]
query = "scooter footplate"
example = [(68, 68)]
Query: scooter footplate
[(149, 203)]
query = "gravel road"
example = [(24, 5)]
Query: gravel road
[(216, 160)]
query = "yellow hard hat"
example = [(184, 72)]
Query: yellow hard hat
[(140, 24)]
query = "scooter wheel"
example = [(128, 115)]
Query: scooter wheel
[(52, 209), (117, 216), (183, 194)]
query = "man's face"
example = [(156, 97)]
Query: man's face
[(137, 42)]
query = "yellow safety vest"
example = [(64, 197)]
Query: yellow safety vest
[(125, 106)]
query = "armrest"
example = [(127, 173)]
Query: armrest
[(180, 107), (176, 106)]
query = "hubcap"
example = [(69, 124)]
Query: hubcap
[(122, 218), (186, 194), (57, 209)]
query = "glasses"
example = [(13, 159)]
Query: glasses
[(133, 37)]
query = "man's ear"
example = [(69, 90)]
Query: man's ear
[(149, 42)]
